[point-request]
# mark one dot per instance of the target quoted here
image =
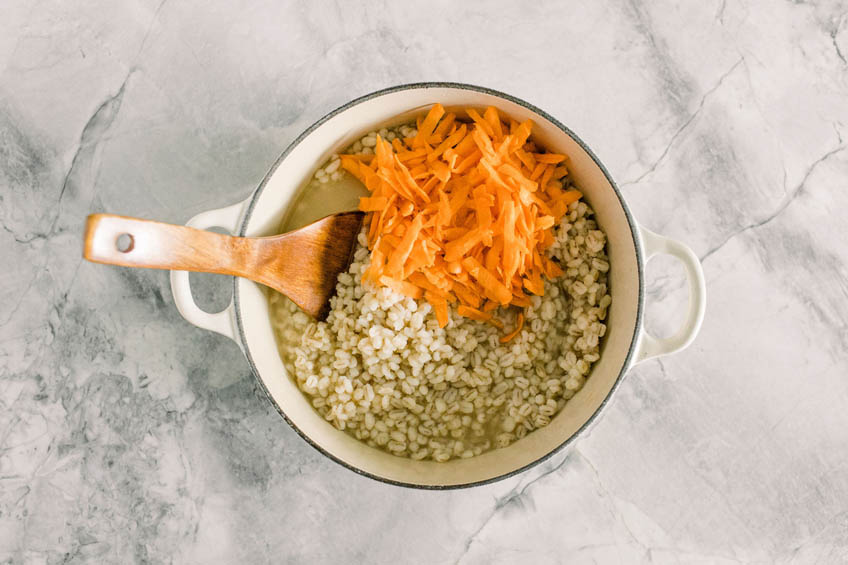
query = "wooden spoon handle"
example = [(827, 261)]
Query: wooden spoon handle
[(132, 242)]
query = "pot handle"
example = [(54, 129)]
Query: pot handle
[(651, 346), (220, 322)]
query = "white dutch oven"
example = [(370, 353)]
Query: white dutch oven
[(247, 319)]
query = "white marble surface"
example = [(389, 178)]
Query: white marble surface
[(128, 436)]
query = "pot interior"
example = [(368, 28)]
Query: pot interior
[(278, 200)]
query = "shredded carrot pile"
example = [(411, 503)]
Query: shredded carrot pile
[(462, 213)]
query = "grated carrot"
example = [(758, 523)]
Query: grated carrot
[(473, 313), (519, 323), (550, 158), (402, 287), (440, 307), (373, 203), (463, 213)]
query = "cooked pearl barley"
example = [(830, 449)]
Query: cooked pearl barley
[(382, 370)]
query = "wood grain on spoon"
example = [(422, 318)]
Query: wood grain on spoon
[(303, 264)]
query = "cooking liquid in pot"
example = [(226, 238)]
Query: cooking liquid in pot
[(317, 200)]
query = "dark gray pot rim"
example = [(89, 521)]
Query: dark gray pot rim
[(633, 232)]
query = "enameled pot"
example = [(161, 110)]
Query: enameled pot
[(278, 201)]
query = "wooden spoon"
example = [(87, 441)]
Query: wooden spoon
[(303, 264)]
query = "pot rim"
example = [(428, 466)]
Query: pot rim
[(634, 231)]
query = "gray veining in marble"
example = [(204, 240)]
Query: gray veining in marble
[(127, 435)]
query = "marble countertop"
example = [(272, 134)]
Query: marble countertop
[(127, 435)]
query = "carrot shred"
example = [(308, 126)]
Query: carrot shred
[(444, 127), (489, 306), (440, 307), (491, 116), (537, 172), (404, 248), (449, 142), (351, 165), (545, 222), (373, 203), (480, 121), (426, 128), (402, 287), (421, 281), (466, 296), (571, 196), (520, 135), (463, 213), (457, 248), (519, 323), (490, 284), (473, 313), (549, 158)]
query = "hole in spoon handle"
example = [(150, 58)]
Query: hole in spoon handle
[(125, 243)]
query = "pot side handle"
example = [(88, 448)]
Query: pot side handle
[(222, 322), (651, 346)]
